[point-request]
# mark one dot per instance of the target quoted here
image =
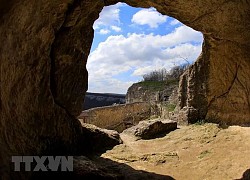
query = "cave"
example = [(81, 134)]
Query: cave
[(45, 45)]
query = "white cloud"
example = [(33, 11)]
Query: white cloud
[(173, 56), (174, 22), (104, 31), (139, 53), (149, 17), (144, 70), (110, 85), (109, 16), (116, 28)]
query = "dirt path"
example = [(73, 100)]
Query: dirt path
[(190, 152)]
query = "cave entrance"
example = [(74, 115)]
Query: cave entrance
[(128, 44)]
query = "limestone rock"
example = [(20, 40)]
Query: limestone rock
[(101, 139), (151, 128), (143, 92), (185, 116)]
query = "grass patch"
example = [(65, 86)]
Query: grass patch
[(172, 82), (153, 85)]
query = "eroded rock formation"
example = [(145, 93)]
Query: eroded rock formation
[(45, 45), (153, 93)]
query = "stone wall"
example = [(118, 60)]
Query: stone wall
[(118, 117)]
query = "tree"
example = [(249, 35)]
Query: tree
[(164, 75), (157, 75)]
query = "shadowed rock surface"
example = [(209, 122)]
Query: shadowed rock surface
[(246, 175), (101, 168), (101, 139), (44, 78)]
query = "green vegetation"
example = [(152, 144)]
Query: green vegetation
[(172, 82), (170, 107), (153, 85), (158, 85)]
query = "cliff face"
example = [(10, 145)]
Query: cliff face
[(150, 91), (45, 45), (216, 88)]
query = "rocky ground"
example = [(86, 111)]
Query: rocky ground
[(190, 152)]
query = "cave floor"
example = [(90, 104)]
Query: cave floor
[(190, 152)]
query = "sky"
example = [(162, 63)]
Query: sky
[(130, 42)]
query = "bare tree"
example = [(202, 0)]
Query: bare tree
[(164, 75), (157, 75)]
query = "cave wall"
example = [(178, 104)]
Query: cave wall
[(44, 48), (43, 54)]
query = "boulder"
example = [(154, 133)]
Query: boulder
[(151, 128), (100, 140)]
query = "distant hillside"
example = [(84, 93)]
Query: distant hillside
[(93, 100)]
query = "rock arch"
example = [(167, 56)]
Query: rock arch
[(45, 45)]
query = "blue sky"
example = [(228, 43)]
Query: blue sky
[(130, 42)]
